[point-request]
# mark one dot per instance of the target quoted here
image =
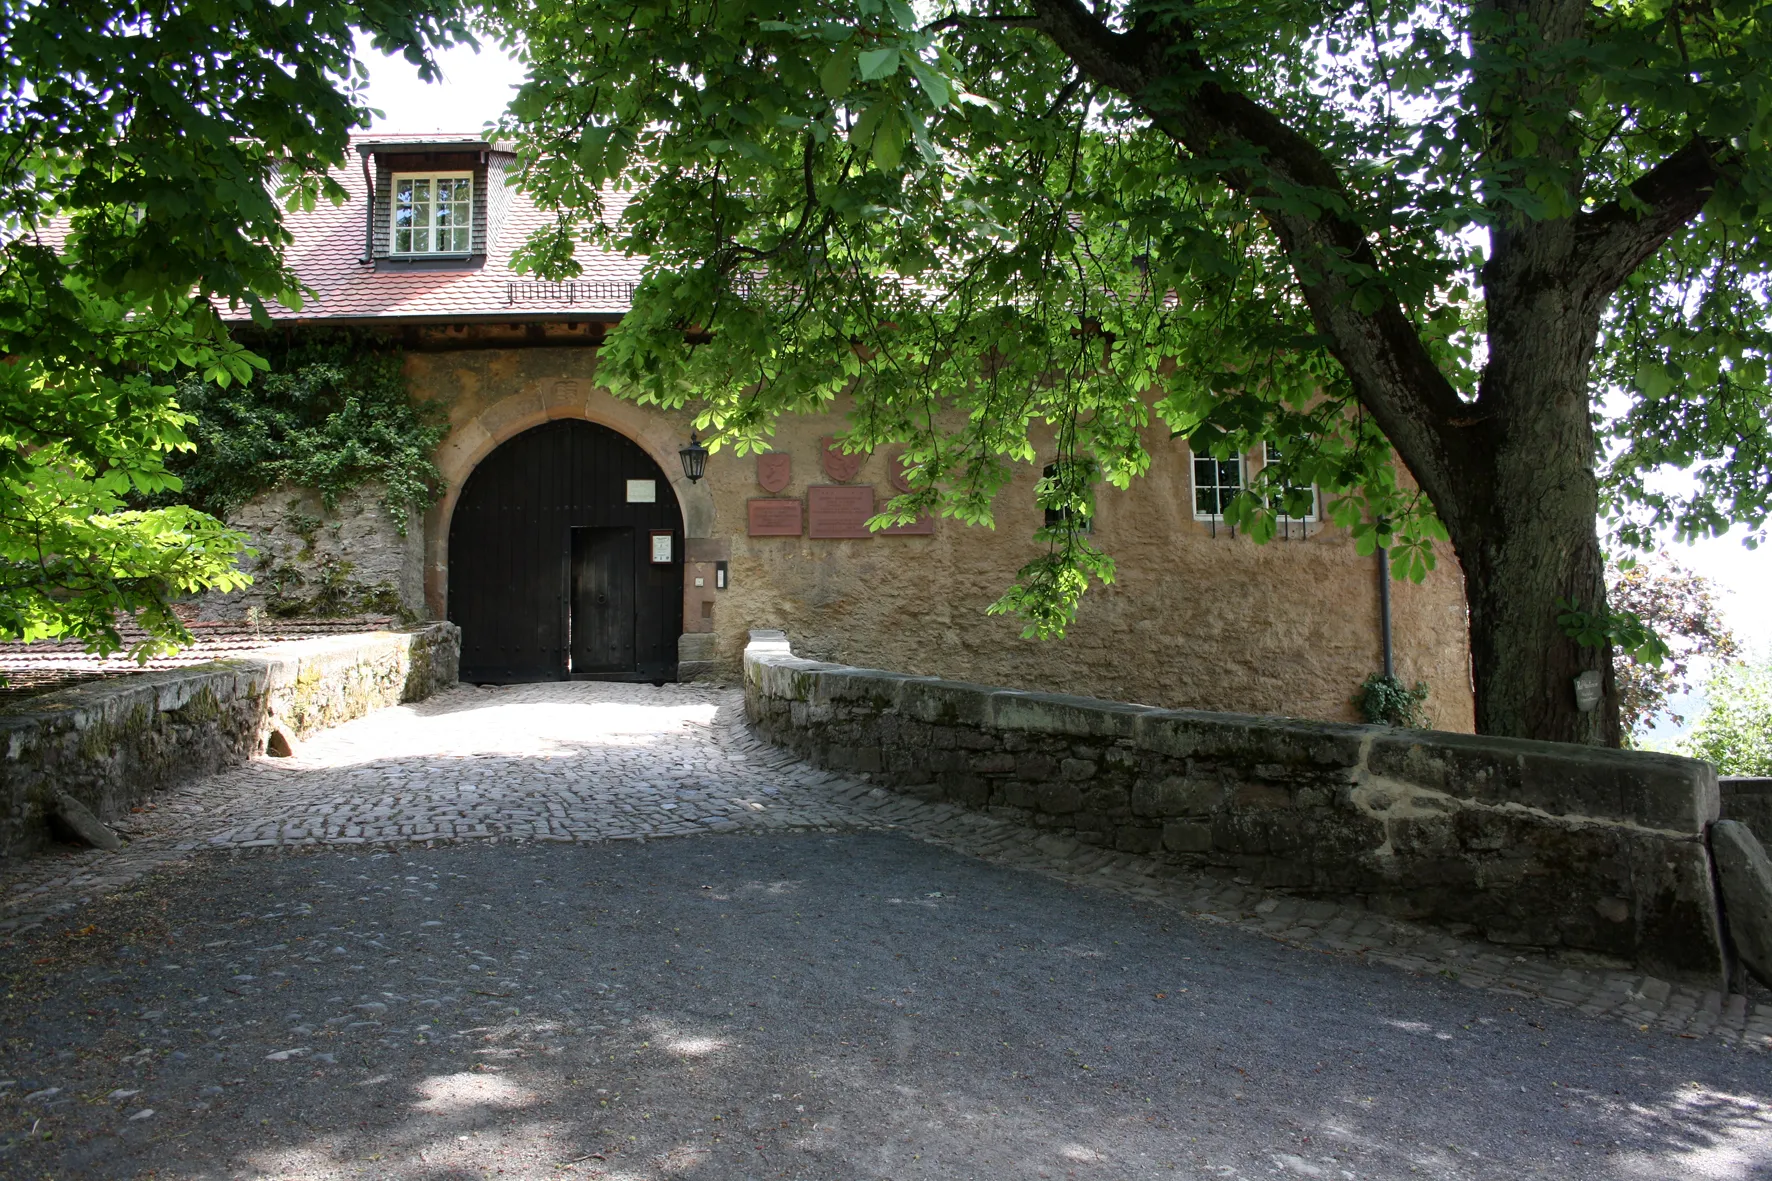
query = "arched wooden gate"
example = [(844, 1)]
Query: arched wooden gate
[(565, 561)]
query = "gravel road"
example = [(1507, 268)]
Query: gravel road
[(811, 1006)]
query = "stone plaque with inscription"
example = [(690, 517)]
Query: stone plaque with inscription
[(771, 517), (834, 511)]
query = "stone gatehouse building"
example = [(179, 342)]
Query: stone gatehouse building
[(569, 542)]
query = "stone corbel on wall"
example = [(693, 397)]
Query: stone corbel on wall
[(1538, 844)]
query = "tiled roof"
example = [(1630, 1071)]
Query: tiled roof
[(328, 247)]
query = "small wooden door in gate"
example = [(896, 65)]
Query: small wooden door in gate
[(602, 618)]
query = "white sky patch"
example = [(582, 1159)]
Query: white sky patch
[(474, 91), (1746, 577)]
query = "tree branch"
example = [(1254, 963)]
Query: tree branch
[(962, 20), (1271, 164), (1613, 240)]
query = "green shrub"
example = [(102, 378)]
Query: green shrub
[(1735, 732), (332, 415), (1386, 701)]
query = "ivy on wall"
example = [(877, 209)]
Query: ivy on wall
[(332, 414)]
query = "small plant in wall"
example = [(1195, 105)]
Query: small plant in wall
[(1385, 701)]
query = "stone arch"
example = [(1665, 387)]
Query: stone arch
[(542, 402)]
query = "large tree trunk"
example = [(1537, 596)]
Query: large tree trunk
[(1525, 527), (1536, 546), (1523, 667), (1511, 473), (1524, 521)]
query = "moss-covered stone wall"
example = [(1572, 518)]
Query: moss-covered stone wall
[(112, 744)]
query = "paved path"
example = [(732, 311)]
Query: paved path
[(359, 929)]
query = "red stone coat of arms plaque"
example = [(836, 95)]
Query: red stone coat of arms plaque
[(839, 465), (775, 470), (895, 471)]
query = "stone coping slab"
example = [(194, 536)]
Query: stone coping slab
[(1748, 798)]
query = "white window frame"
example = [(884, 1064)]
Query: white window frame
[(1217, 485), (1267, 457), (430, 231)]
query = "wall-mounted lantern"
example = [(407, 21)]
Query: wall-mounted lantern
[(694, 457)]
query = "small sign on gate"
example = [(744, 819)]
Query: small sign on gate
[(661, 547)]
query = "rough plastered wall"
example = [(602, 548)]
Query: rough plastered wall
[(1197, 618), (349, 559)]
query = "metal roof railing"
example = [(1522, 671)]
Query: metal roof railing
[(597, 292), (601, 292)]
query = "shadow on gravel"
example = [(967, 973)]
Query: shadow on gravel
[(807, 1006)]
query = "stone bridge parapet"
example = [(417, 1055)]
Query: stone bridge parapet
[(1599, 852), (109, 745)]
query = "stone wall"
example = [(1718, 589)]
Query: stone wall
[(111, 744), (1600, 852), (1748, 798), (1215, 621), (350, 559)]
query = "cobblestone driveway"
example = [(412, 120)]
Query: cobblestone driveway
[(588, 760), (591, 762)]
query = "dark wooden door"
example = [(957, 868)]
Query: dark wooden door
[(602, 615), (513, 573)]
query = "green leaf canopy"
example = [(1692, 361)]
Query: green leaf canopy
[(1456, 229), (147, 152)]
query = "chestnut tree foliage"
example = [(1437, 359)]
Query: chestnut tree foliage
[(1734, 734), (147, 151), (1439, 226)]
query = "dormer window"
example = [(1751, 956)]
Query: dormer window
[(435, 201), (432, 213)]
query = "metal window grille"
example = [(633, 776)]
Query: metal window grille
[(602, 292), (598, 292)]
